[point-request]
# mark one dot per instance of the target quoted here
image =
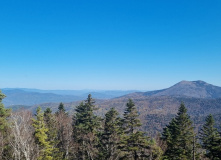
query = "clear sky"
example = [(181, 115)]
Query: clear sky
[(109, 44)]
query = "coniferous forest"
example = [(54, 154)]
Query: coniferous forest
[(85, 136)]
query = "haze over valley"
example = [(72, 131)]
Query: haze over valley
[(155, 108)]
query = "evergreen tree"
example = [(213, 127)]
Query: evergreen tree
[(155, 150), (61, 108), (86, 126), (4, 130), (219, 144), (210, 138), (134, 143), (179, 136), (52, 133), (110, 137), (50, 124), (41, 137), (4, 114), (48, 117)]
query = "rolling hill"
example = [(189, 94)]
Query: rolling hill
[(156, 108), (20, 97), (24, 96)]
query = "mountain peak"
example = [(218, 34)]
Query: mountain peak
[(197, 89), (198, 83), (192, 82)]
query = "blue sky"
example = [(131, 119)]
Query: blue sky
[(97, 44)]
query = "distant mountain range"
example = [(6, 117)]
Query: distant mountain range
[(24, 96), (21, 97), (191, 89), (156, 108)]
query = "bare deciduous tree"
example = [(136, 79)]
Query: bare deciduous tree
[(22, 141), (65, 131)]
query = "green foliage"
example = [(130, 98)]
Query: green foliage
[(211, 139), (61, 108), (41, 137), (114, 138), (86, 126), (179, 136), (52, 133), (134, 143), (47, 111), (85, 120), (5, 150), (131, 121), (50, 123), (110, 137), (4, 114), (155, 150)]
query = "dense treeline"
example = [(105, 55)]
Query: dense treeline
[(86, 136)]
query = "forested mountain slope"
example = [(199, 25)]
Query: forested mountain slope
[(156, 108), (193, 89)]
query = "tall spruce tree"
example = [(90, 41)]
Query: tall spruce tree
[(52, 133), (134, 142), (4, 114), (86, 125), (210, 138), (179, 136), (110, 138), (61, 107), (41, 137), (4, 130), (50, 123)]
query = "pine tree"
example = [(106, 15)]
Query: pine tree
[(86, 126), (134, 142), (52, 133), (50, 123), (4, 114), (41, 137), (179, 136), (219, 144), (210, 138), (4, 130), (110, 137), (155, 150), (61, 108)]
